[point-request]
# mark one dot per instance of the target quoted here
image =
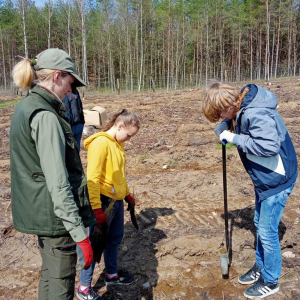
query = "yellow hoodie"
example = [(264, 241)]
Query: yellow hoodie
[(105, 168)]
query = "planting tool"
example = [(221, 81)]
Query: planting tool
[(225, 196), (132, 216), (130, 208), (224, 252)]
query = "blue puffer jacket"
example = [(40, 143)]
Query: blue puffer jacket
[(264, 144)]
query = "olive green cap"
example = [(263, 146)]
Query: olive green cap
[(57, 59)]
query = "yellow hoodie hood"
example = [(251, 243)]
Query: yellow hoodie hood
[(88, 141), (105, 168)]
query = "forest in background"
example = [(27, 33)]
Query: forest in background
[(144, 44)]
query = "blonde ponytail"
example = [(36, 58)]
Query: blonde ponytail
[(23, 74)]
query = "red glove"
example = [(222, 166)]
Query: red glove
[(130, 199), (100, 215), (85, 254)]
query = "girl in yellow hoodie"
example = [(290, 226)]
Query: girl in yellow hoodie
[(108, 187)]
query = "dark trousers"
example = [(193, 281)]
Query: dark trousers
[(77, 132), (58, 268), (114, 239)]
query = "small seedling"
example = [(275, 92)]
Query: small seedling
[(143, 157)]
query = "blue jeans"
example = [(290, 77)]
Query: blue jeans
[(267, 216), (114, 239), (77, 132)]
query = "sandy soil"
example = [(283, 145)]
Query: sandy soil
[(174, 168)]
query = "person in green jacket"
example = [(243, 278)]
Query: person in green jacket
[(48, 187)]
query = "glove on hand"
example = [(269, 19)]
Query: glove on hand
[(84, 253), (226, 137), (130, 200), (100, 215)]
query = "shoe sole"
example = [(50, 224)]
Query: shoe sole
[(247, 282), (263, 296), (79, 296)]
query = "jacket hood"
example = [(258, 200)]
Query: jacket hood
[(258, 97), (88, 141)]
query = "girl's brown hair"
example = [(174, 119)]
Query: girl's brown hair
[(220, 97), (127, 117), (24, 74)]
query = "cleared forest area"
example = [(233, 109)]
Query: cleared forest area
[(174, 168)]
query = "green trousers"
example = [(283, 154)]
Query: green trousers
[(58, 268)]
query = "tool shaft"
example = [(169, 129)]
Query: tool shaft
[(225, 196)]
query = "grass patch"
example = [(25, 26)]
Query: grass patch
[(228, 146), (143, 157), (173, 163), (9, 103)]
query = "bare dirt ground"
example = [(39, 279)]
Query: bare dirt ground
[(174, 167)]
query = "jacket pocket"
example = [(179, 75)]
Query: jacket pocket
[(38, 176)]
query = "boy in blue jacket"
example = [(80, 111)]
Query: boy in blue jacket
[(269, 157)]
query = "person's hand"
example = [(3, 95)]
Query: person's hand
[(226, 137), (130, 200), (85, 254), (100, 215)]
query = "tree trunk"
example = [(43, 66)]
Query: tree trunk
[(290, 34), (278, 42), (177, 59), (251, 54), (267, 54), (272, 52), (23, 8), (50, 12), (69, 33), (3, 59), (169, 42), (258, 59), (127, 78), (295, 46), (183, 50), (142, 52), (239, 56), (81, 5)]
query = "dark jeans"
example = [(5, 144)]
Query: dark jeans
[(58, 268), (114, 239), (77, 132)]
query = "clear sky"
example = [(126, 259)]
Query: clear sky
[(39, 3)]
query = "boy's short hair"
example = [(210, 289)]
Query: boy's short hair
[(219, 97)]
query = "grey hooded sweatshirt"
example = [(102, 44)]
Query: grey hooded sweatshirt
[(263, 143)]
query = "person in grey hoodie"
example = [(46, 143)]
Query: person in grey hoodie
[(251, 122)]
